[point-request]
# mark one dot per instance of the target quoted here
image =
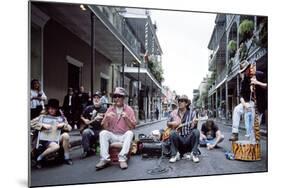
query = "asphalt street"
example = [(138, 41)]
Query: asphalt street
[(211, 162)]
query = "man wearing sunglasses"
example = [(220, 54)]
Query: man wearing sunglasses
[(118, 122), (185, 136)]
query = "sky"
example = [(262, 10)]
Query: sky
[(184, 37)]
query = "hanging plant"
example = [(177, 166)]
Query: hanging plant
[(231, 47), (262, 34), (242, 51), (246, 29)]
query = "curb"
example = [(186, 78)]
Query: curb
[(150, 122), (77, 141), (263, 132)]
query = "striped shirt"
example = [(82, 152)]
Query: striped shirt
[(185, 120)]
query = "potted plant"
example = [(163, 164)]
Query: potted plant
[(246, 29), (231, 47)]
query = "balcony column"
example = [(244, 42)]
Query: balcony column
[(123, 67), (238, 38), (226, 100), (146, 96), (92, 52), (220, 99), (255, 24), (216, 103)]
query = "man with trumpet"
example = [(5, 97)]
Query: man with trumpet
[(185, 136)]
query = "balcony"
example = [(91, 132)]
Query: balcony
[(131, 39), (221, 77), (116, 23), (212, 59)]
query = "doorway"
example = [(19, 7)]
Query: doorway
[(73, 76)]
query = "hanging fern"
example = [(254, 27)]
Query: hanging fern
[(246, 29)]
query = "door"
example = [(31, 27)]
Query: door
[(73, 76), (103, 85)]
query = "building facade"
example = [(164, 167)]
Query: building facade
[(223, 92), (75, 45)]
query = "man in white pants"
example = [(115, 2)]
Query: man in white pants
[(118, 121), (246, 100)]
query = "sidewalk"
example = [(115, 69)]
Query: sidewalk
[(263, 128), (75, 136)]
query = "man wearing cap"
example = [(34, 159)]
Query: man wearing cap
[(185, 136), (247, 105), (118, 122), (91, 118), (59, 121)]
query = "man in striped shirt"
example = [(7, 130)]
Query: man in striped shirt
[(185, 136)]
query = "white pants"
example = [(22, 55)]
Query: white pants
[(238, 111), (107, 137)]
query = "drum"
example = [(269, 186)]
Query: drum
[(246, 150)]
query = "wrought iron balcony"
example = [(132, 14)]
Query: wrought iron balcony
[(117, 21)]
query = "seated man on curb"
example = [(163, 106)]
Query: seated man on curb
[(186, 136), (52, 112), (210, 135), (118, 121), (91, 118)]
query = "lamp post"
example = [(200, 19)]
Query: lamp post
[(92, 52)]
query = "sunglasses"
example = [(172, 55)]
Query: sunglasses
[(117, 96)]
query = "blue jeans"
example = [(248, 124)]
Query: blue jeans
[(184, 144), (249, 121), (204, 142)]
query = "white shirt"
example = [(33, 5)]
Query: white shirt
[(69, 100), (34, 102), (119, 110)]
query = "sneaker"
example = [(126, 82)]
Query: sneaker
[(195, 158), (123, 165), (68, 161), (175, 158), (102, 164), (186, 156)]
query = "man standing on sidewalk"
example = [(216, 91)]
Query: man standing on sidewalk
[(118, 121), (185, 136), (246, 102)]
